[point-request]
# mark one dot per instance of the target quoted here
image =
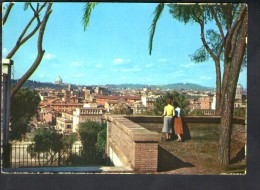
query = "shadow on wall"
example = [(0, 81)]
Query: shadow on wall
[(167, 161)]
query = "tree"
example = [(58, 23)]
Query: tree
[(228, 43), (92, 134), (122, 108), (215, 43), (196, 113), (40, 25), (173, 96), (24, 105), (49, 143)]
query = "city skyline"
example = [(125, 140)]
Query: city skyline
[(113, 49)]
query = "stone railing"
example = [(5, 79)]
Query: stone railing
[(239, 129), (131, 145)]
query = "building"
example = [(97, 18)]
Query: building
[(64, 123), (101, 91), (205, 102), (240, 98), (47, 114), (86, 113), (62, 106), (110, 105), (138, 107), (148, 101), (58, 80)]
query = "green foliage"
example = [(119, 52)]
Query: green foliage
[(18, 129), (196, 113), (188, 13), (200, 55), (50, 143), (239, 112), (174, 96), (157, 13), (214, 40), (26, 6), (101, 143), (87, 12), (46, 140), (93, 140), (24, 105), (122, 108)]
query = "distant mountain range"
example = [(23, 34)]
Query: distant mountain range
[(177, 86)]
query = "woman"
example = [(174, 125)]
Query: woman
[(178, 129), (168, 120)]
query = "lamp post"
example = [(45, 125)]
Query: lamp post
[(6, 101)]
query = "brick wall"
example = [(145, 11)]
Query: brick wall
[(135, 146)]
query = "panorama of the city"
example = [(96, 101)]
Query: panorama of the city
[(55, 123)]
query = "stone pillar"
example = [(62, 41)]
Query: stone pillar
[(5, 109), (131, 145)]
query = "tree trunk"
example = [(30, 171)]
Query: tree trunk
[(229, 94), (218, 88)]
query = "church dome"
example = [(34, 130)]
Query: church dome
[(58, 80)]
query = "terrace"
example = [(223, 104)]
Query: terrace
[(134, 146)]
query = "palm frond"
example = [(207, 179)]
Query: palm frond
[(26, 5), (87, 12), (157, 13)]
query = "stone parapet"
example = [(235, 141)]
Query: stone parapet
[(131, 144)]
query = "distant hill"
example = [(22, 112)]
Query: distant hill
[(177, 86), (186, 86), (35, 84)]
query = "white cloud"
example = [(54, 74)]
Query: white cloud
[(4, 51), (49, 56), (149, 65), (136, 68), (187, 65), (119, 61), (76, 63), (99, 65)]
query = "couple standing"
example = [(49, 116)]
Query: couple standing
[(171, 115)]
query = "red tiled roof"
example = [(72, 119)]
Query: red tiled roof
[(119, 97)]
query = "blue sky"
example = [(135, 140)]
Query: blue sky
[(113, 49)]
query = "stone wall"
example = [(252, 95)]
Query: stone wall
[(154, 123), (131, 145)]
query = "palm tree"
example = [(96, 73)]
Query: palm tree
[(87, 12)]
